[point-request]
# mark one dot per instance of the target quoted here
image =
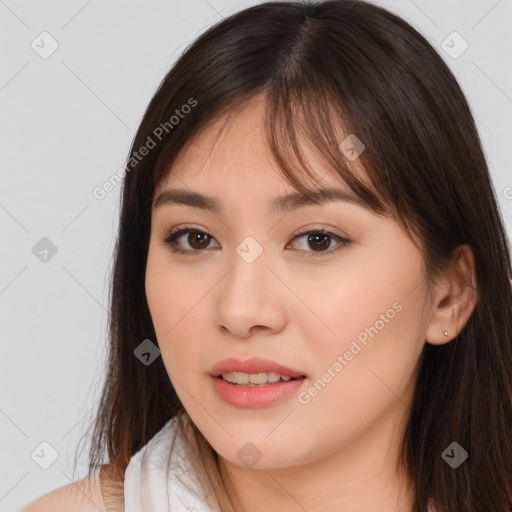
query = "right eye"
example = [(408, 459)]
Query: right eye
[(197, 239)]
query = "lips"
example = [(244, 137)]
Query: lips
[(253, 365)]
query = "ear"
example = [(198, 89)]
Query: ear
[(454, 298)]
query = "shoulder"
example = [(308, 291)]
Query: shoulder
[(80, 496)]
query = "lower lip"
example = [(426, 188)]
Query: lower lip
[(255, 396)]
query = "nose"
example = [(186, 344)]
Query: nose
[(250, 299)]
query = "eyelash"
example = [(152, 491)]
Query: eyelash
[(171, 240)]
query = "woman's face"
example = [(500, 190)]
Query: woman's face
[(351, 317)]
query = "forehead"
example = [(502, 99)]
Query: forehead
[(234, 148), (235, 140)]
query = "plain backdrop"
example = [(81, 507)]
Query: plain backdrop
[(67, 121)]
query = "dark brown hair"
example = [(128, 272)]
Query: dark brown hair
[(323, 66)]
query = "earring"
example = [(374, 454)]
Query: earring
[(446, 334)]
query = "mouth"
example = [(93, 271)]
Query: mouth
[(254, 372), (256, 379), (244, 389)]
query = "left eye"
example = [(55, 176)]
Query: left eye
[(319, 240)]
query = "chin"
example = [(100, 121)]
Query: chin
[(260, 453)]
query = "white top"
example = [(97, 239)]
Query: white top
[(151, 485)]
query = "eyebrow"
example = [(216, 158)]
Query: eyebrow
[(280, 204)]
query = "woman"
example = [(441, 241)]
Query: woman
[(311, 304)]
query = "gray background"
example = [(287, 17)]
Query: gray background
[(66, 125)]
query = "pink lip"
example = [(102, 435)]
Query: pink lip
[(254, 396), (253, 365)]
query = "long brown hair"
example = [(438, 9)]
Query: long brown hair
[(321, 66)]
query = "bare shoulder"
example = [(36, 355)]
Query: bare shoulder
[(80, 496)]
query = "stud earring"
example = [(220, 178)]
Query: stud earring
[(446, 334)]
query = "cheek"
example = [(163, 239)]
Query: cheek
[(164, 301), (168, 296), (370, 309), (174, 302), (370, 360), (160, 293), (344, 307)]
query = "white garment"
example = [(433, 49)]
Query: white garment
[(151, 486)]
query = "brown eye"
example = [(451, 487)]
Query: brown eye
[(319, 241), (198, 240)]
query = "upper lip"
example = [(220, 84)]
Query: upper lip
[(253, 365)]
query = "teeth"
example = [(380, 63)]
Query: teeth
[(254, 378)]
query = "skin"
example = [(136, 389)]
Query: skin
[(339, 451)]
